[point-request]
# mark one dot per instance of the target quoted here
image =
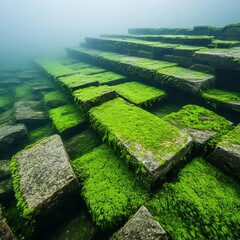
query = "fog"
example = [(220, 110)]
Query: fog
[(31, 28)]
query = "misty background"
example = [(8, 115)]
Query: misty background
[(31, 28)]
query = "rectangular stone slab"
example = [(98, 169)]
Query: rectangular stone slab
[(151, 145), (43, 175), (182, 78)]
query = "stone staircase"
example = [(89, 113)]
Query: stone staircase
[(107, 89)]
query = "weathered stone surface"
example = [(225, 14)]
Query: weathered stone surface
[(5, 231), (220, 58), (6, 189), (200, 136), (45, 167), (6, 116), (4, 169), (202, 68), (29, 111), (10, 134), (227, 153), (141, 226)]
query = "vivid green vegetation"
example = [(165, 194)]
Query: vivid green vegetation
[(77, 81), (79, 65), (108, 187), (137, 134), (55, 99), (108, 78), (66, 117), (232, 137), (138, 93), (203, 204), (92, 96), (82, 143), (225, 44), (200, 118), (54, 68), (221, 95), (92, 70)]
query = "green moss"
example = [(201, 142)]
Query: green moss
[(108, 187), (196, 117), (108, 78), (137, 134), (92, 70), (38, 133), (92, 96), (232, 137), (5, 103), (221, 95), (225, 44), (24, 93), (77, 81), (79, 65), (203, 204), (66, 117), (82, 143), (138, 93), (54, 68), (55, 99)]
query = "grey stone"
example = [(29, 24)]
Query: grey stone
[(45, 167), (10, 134), (141, 226), (200, 136), (6, 116), (6, 189), (4, 169), (5, 231), (29, 111)]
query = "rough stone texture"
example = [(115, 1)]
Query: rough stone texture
[(4, 169), (141, 226), (6, 190), (5, 231), (10, 134), (200, 136), (228, 59), (6, 116), (29, 111), (45, 167)]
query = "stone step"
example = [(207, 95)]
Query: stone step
[(222, 98), (45, 167), (164, 72), (109, 188), (139, 94), (177, 39), (149, 144), (203, 125), (131, 46), (227, 153), (67, 119), (227, 59)]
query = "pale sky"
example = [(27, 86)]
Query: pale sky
[(32, 27)]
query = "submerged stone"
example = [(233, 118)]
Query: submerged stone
[(4, 169), (55, 99), (11, 134), (227, 152), (45, 167), (5, 231), (29, 112), (151, 145), (141, 226), (6, 190)]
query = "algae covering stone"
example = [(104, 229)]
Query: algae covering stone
[(203, 203), (163, 72), (89, 97), (66, 118), (139, 93), (11, 134), (227, 152), (108, 187), (4, 169), (42, 176), (29, 112), (226, 99), (220, 58), (141, 226), (203, 125), (149, 144), (5, 231), (55, 99)]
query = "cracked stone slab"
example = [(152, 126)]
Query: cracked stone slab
[(141, 226), (45, 167)]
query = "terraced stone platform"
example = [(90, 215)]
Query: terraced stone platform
[(164, 72), (149, 144)]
